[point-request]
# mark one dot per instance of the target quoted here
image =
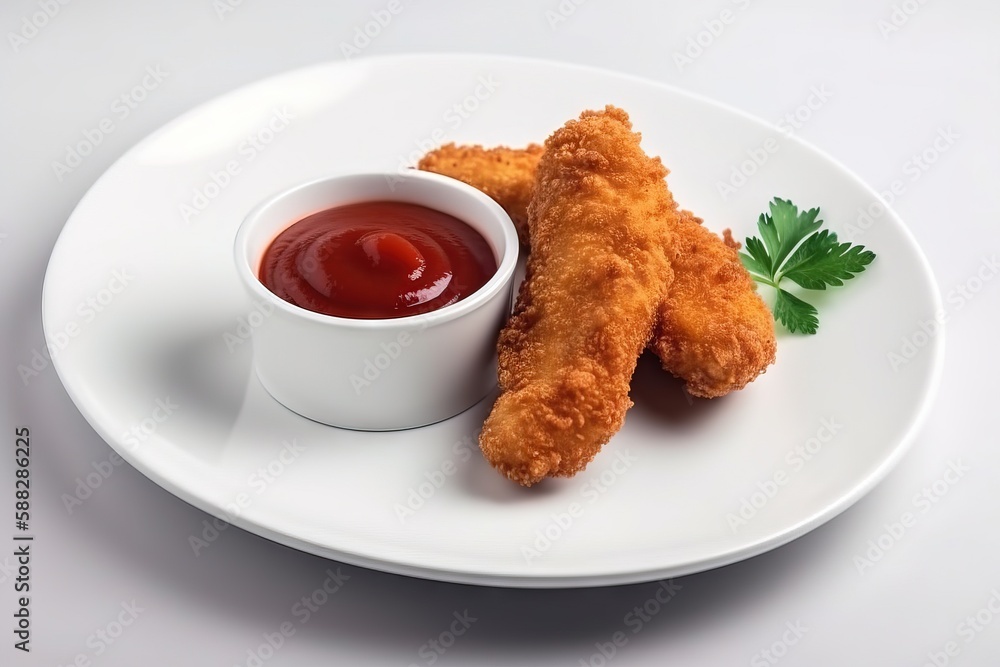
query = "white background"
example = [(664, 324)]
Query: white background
[(891, 95)]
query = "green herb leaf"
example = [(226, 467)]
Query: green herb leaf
[(755, 259), (793, 248), (795, 314), (784, 229), (822, 261)]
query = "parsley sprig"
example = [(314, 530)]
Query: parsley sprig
[(813, 263)]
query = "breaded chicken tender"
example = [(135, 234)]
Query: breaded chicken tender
[(714, 331), (597, 271), (505, 174)]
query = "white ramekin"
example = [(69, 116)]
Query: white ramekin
[(378, 374)]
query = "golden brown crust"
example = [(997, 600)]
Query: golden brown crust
[(596, 274), (505, 174), (714, 332)]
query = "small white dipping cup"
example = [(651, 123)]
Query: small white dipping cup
[(378, 375)]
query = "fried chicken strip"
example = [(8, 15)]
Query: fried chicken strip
[(505, 174), (714, 332), (597, 271)]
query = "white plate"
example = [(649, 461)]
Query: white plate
[(659, 501)]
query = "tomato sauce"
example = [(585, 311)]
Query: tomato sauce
[(377, 260)]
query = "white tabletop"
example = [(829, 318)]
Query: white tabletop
[(115, 581)]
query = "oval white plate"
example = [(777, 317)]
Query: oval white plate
[(143, 307)]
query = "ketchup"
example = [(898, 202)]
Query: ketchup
[(377, 260)]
